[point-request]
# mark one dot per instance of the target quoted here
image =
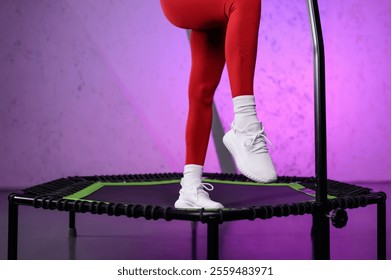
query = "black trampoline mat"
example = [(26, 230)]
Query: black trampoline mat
[(231, 194)]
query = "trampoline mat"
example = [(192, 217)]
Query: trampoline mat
[(232, 194)]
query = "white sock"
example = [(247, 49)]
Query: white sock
[(191, 173), (245, 113)]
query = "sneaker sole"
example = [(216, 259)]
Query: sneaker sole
[(185, 205), (231, 148), (188, 205)]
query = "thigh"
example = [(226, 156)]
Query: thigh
[(195, 14), (208, 60), (207, 51)]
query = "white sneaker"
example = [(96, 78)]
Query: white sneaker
[(249, 150), (194, 195)]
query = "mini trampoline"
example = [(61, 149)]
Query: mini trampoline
[(151, 196)]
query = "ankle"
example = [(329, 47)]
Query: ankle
[(245, 111), (192, 175), (189, 184)]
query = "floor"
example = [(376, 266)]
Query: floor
[(43, 235)]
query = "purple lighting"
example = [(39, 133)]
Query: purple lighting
[(100, 87)]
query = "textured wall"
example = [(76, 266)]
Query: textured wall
[(99, 87)]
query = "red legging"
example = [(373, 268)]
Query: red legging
[(222, 31)]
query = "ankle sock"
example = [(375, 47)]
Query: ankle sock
[(191, 173), (245, 113)]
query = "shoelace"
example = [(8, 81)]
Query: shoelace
[(207, 186), (256, 142), (203, 187)]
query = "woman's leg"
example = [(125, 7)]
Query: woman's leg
[(208, 60), (242, 44)]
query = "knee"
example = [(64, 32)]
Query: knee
[(172, 13), (244, 6), (253, 4), (202, 95)]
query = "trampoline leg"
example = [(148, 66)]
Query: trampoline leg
[(12, 230), (213, 241), (194, 225), (72, 234), (72, 247), (72, 224), (381, 231), (320, 236)]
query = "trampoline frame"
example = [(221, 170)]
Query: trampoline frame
[(320, 208), (51, 196)]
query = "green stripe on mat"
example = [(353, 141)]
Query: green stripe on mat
[(98, 185), (295, 186)]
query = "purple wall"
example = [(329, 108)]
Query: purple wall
[(99, 87)]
